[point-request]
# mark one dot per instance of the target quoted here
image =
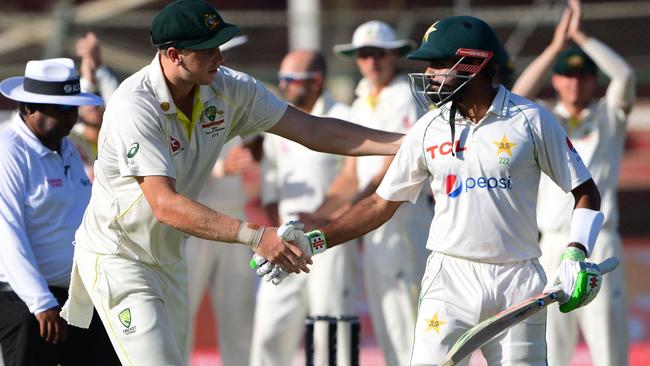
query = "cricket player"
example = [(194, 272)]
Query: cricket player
[(597, 129), (163, 130), (297, 179), (482, 150)]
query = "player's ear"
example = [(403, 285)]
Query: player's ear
[(173, 54)]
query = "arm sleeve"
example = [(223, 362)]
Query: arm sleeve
[(620, 92), (259, 110), (556, 155), (17, 261), (408, 171), (140, 142), (269, 172)]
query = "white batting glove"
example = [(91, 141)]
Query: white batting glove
[(311, 243), (580, 280), (267, 270)]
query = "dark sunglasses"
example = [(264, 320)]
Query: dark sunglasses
[(371, 52)]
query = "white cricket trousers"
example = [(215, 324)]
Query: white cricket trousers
[(603, 322), (328, 289), (458, 294), (394, 257), (143, 307)]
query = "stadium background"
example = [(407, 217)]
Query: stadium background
[(35, 29)]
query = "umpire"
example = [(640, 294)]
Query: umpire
[(44, 191)]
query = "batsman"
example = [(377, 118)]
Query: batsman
[(482, 149)]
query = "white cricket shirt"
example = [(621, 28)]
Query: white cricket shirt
[(486, 194), (296, 177), (393, 110), (143, 134), (43, 195)]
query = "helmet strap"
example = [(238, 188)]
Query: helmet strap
[(452, 124)]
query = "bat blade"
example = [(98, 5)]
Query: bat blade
[(484, 331)]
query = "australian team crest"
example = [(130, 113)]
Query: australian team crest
[(125, 317), (211, 21), (211, 112)]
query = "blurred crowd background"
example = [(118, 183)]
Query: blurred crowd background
[(38, 29)]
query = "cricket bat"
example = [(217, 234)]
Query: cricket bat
[(484, 331)]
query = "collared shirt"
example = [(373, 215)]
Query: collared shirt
[(486, 194), (43, 197), (393, 110), (144, 134), (296, 177)]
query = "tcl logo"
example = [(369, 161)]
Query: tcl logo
[(444, 149), (454, 184)]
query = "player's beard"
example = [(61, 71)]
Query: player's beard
[(299, 98)]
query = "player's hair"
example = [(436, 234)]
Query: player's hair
[(25, 108), (318, 63)]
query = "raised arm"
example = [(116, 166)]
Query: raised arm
[(335, 136), (530, 81), (620, 92)]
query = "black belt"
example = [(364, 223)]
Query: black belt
[(5, 287)]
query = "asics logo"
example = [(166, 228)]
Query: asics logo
[(454, 184)]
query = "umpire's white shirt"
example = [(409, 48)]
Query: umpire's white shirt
[(143, 134), (43, 195), (485, 195)]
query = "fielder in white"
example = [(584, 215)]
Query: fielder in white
[(597, 129), (484, 169), (218, 268), (394, 255), (163, 130), (297, 179)]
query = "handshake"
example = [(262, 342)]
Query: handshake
[(310, 243)]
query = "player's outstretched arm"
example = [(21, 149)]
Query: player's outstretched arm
[(193, 218), (365, 216), (335, 136)]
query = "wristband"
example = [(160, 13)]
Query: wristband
[(585, 226), (250, 234), (317, 241)]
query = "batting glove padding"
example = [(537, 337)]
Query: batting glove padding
[(580, 280)]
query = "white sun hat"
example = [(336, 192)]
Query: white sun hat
[(233, 42), (51, 81), (374, 34)]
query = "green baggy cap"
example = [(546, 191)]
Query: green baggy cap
[(574, 60), (191, 24)]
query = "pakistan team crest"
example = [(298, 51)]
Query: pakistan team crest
[(125, 317)]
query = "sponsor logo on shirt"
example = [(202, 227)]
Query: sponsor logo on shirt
[(175, 145), (454, 184), (445, 149), (133, 149), (572, 149), (54, 182)]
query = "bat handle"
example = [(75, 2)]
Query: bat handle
[(608, 265)]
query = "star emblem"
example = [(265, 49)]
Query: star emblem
[(434, 323), (432, 28), (504, 145)]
